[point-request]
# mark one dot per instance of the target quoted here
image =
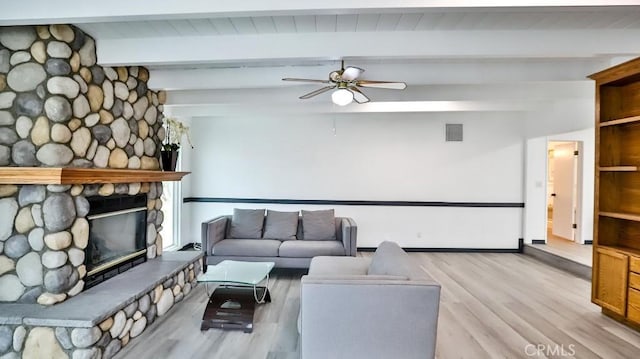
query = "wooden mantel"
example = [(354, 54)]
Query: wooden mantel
[(75, 175)]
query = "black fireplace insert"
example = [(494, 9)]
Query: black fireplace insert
[(117, 236)]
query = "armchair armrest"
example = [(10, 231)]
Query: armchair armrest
[(213, 231), (349, 236), (368, 318)]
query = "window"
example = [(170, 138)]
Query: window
[(169, 228)]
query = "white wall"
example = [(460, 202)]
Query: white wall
[(369, 157), (570, 118), (535, 214), (417, 227), (399, 157)]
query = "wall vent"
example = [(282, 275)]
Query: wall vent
[(453, 132)]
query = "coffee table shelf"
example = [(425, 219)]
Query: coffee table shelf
[(232, 303)]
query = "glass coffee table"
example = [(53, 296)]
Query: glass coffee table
[(233, 301)]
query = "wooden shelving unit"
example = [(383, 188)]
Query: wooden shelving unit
[(616, 240), (69, 175)]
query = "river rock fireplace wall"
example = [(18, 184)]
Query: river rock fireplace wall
[(74, 135), (58, 108)]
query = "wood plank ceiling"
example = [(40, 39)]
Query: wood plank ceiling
[(614, 18), (218, 57)]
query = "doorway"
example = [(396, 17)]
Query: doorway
[(562, 190), (540, 212)]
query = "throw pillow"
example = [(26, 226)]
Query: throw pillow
[(281, 225), (319, 225), (389, 259), (247, 223)]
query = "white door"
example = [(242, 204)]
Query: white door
[(564, 181)]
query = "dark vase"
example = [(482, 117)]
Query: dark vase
[(169, 159)]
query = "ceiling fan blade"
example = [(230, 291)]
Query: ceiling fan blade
[(317, 92), (382, 84), (306, 80), (351, 73), (358, 96)]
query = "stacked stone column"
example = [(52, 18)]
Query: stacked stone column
[(58, 108)]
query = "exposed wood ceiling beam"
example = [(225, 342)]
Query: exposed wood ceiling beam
[(538, 91), (495, 97), (429, 44), (223, 110), (414, 74), (74, 11)]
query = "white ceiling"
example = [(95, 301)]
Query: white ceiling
[(196, 48), (439, 20)]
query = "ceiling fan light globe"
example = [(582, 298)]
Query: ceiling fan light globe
[(342, 97)]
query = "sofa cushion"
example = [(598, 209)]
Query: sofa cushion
[(390, 259), (246, 223), (338, 225), (280, 225), (308, 249), (247, 247), (323, 266), (319, 225)]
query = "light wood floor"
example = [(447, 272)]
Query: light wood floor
[(492, 306), (564, 247), (580, 253)]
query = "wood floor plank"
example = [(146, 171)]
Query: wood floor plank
[(492, 341), (631, 336), (455, 340), (551, 329), (530, 333), (493, 305), (602, 342)]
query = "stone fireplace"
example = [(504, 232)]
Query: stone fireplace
[(58, 108), (61, 112)]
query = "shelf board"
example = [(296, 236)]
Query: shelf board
[(620, 121), (625, 250), (618, 169), (74, 175), (626, 216)]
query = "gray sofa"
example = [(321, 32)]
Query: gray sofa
[(285, 253), (383, 307)]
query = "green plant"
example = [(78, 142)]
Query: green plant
[(175, 130)]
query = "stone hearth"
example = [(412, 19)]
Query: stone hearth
[(98, 323)]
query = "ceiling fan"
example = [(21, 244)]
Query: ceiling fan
[(347, 84)]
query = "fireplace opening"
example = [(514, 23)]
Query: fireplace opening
[(117, 236)]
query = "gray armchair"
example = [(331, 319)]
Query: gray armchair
[(348, 310)]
